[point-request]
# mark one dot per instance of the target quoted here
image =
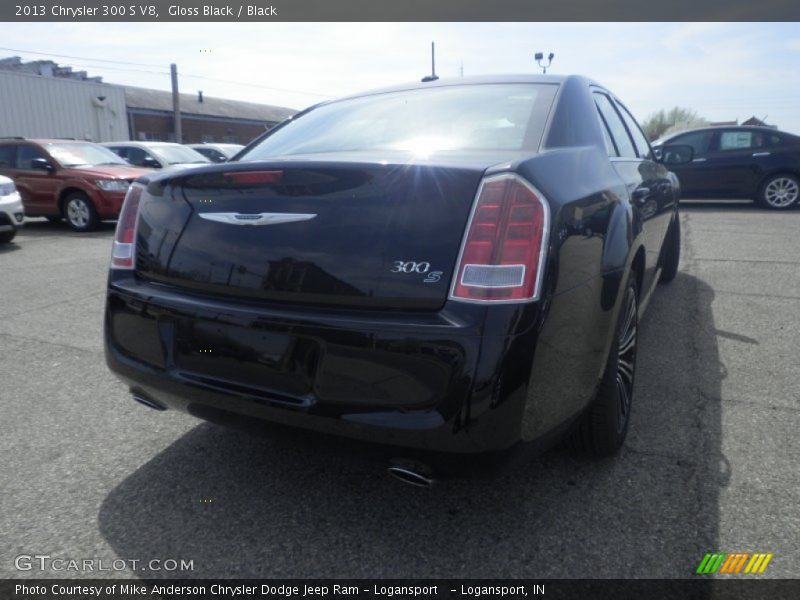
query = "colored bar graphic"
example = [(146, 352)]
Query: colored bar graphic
[(723, 563), (764, 564), (732, 558), (703, 563), (740, 563)]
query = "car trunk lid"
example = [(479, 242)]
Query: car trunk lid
[(381, 234)]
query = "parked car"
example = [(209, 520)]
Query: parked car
[(12, 214), (217, 152), (454, 266), (757, 163), (157, 155), (79, 181)]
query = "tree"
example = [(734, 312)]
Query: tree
[(675, 119)]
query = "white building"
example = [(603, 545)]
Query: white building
[(54, 107)]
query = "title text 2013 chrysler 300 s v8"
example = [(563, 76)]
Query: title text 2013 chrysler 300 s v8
[(450, 266)]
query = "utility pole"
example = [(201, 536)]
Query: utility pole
[(176, 104)]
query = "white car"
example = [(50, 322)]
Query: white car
[(11, 212), (217, 152), (157, 155)]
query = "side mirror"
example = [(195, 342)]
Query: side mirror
[(42, 164), (149, 161), (676, 154)]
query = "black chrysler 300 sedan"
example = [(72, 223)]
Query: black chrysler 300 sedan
[(451, 266)]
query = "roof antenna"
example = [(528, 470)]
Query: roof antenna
[(433, 76)]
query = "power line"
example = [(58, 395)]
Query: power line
[(117, 62), (184, 75), (256, 85), (82, 66)]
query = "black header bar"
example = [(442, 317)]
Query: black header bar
[(398, 11)]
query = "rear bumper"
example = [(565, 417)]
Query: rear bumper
[(380, 379)]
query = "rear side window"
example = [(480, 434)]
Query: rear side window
[(26, 154), (460, 117), (121, 152), (619, 134), (746, 140), (736, 140), (135, 156), (776, 140), (639, 139), (7, 155), (698, 140)]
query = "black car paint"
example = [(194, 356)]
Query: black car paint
[(715, 173), (456, 377)]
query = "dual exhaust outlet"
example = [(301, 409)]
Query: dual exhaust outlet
[(406, 470)]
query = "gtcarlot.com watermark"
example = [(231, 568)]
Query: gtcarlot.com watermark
[(56, 564)]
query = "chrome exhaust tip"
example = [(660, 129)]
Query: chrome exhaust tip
[(143, 398), (412, 472)]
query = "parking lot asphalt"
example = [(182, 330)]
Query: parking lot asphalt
[(710, 464)]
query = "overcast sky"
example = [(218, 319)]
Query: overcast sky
[(723, 71)]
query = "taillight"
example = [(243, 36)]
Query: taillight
[(502, 256), (122, 256)]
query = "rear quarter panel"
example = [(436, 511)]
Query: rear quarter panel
[(552, 362)]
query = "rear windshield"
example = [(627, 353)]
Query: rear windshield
[(508, 116)]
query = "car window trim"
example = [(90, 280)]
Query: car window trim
[(604, 124), (621, 107), (608, 96)]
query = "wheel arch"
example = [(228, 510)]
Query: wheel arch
[(637, 268), (793, 172)]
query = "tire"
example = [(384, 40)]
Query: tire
[(80, 212), (779, 192), (672, 252), (602, 429), (7, 236)]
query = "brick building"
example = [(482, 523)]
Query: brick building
[(203, 119)]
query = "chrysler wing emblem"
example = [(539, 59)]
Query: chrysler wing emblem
[(255, 218)]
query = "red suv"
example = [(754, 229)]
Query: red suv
[(81, 182)]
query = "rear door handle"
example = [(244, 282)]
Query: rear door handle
[(761, 153), (699, 160)]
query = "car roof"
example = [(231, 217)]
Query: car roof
[(211, 144), (721, 127), (44, 141), (141, 144)]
